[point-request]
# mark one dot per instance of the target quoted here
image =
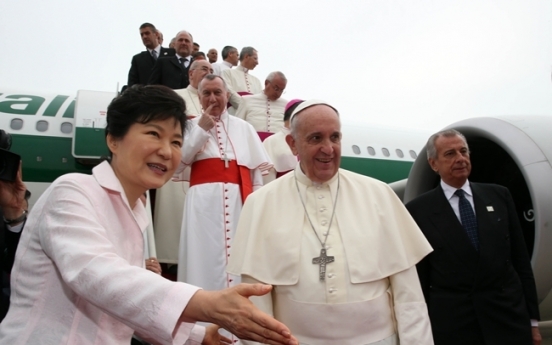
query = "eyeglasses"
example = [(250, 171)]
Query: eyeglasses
[(277, 89)]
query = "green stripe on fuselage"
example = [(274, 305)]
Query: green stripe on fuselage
[(382, 169), (45, 158), (90, 142)]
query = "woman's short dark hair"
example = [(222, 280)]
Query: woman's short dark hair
[(142, 104)]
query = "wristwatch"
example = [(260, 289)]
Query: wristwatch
[(16, 220)]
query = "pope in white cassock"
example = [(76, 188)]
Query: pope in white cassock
[(339, 248), (169, 200), (265, 110), (238, 79), (227, 162)]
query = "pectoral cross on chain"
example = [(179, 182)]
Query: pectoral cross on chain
[(225, 159), (322, 260)]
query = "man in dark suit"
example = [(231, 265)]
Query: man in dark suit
[(478, 282), (173, 71), (142, 63)]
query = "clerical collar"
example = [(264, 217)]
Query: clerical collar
[(223, 117), (303, 179), (450, 190), (241, 68), (192, 89), (227, 63)]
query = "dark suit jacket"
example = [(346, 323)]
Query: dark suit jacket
[(169, 72), (486, 297), (142, 65)]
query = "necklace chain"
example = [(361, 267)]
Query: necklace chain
[(307, 213)]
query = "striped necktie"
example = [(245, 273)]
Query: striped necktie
[(467, 217)]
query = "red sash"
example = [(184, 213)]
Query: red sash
[(212, 170), (264, 135)]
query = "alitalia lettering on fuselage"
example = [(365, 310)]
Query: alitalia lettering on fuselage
[(19, 104)]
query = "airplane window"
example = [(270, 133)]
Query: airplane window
[(371, 151), (42, 126), (356, 150), (385, 152), (413, 154), (399, 153), (16, 124), (66, 127)]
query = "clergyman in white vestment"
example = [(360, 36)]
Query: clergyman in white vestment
[(227, 162), (265, 110), (230, 58), (339, 248), (240, 81), (169, 200)]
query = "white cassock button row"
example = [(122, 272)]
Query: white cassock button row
[(322, 209), (321, 197)]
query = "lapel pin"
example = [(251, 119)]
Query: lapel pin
[(490, 209)]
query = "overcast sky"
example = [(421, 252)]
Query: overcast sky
[(422, 63)]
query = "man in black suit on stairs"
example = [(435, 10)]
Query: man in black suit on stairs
[(142, 63), (478, 282), (172, 71)]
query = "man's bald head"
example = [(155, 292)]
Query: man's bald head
[(212, 54)]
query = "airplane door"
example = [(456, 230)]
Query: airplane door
[(90, 122)]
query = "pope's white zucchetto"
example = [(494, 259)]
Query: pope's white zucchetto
[(307, 104)]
